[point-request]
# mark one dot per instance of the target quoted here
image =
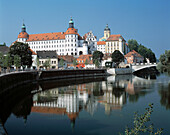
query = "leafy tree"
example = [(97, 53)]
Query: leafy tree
[(1, 61), (97, 55), (86, 62), (47, 64), (17, 61), (97, 63), (133, 44), (117, 57), (7, 62), (23, 51), (164, 62), (74, 62), (61, 62), (140, 124), (142, 50), (4, 44)]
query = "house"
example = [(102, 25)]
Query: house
[(68, 61), (48, 56), (134, 57), (107, 58), (85, 61)]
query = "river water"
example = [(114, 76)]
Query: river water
[(86, 106)]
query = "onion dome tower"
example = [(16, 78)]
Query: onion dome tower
[(23, 35), (71, 23)]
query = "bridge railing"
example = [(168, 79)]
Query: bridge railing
[(138, 64)]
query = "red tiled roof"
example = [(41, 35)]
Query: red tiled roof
[(68, 58), (84, 57), (133, 52), (71, 31), (46, 36), (115, 38), (23, 35), (101, 43)]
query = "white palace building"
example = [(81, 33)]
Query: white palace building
[(64, 43)]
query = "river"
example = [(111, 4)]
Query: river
[(86, 106)]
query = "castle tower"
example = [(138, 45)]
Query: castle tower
[(71, 23), (106, 32), (23, 35)]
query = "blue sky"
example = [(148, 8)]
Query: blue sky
[(147, 21)]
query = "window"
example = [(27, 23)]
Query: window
[(54, 62)]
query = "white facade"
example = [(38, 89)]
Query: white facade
[(67, 43)]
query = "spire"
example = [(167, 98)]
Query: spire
[(71, 23), (23, 27), (107, 27)]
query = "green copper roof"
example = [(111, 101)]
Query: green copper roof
[(71, 20)]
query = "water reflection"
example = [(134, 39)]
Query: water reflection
[(112, 93), (69, 97), (164, 91)]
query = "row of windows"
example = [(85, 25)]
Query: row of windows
[(46, 42), (52, 62), (62, 50), (53, 46), (67, 36)]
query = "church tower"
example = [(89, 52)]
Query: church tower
[(71, 23), (106, 32)]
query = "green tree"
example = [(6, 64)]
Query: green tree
[(61, 62), (97, 63), (86, 62), (117, 57), (164, 62), (7, 62), (1, 61), (23, 51), (47, 64), (133, 44), (74, 62), (97, 55), (141, 124), (17, 62), (4, 44)]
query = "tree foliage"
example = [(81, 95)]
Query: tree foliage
[(47, 64), (142, 50), (17, 61), (4, 44), (7, 61), (86, 62), (97, 55), (164, 62), (117, 57), (74, 62), (97, 63), (141, 124), (23, 51), (61, 62)]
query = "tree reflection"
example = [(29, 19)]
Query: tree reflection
[(165, 96)]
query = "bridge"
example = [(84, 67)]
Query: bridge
[(140, 66)]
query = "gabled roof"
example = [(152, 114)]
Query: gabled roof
[(132, 53), (46, 54), (101, 43), (46, 36), (67, 58), (115, 38)]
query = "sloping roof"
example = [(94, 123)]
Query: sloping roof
[(4, 49), (115, 38), (46, 36), (46, 54), (101, 43), (71, 31), (133, 52), (67, 58), (23, 35), (33, 53), (84, 57)]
